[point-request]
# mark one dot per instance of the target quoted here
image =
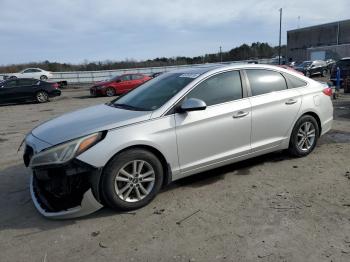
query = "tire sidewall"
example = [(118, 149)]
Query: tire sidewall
[(111, 170), (293, 145)]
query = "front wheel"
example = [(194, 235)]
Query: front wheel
[(131, 179), (42, 97), (110, 92), (307, 74), (304, 136), (324, 72), (43, 77)]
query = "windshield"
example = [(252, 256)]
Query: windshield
[(305, 64), (154, 93)]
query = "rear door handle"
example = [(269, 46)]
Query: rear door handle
[(240, 114), (291, 101)]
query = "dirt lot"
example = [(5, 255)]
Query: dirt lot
[(271, 208)]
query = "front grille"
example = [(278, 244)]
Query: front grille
[(27, 156)]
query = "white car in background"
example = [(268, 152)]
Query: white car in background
[(35, 73)]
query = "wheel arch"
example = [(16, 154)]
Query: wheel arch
[(166, 166), (317, 118)]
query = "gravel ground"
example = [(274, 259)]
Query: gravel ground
[(270, 208)]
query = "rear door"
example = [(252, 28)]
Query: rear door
[(219, 133), (136, 80), (274, 108), (125, 83), (27, 87)]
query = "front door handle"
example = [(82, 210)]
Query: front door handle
[(240, 114), (291, 101)]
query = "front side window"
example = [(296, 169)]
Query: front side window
[(10, 84), (154, 93), (125, 78), (265, 81), (219, 89)]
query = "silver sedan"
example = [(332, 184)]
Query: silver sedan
[(183, 122)]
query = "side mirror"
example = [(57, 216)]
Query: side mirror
[(192, 104)]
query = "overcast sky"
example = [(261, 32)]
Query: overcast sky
[(77, 30)]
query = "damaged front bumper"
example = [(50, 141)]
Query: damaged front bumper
[(88, 205), (64, 191)]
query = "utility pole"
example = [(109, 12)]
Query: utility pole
[(279, 46), (298, 21), (220, 55)]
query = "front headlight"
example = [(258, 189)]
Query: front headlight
[(63, 153)]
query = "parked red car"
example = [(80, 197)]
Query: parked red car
[(118, 84)]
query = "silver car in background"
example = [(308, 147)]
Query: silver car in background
[(183, 122)]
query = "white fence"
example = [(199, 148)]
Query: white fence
[(95, 76)]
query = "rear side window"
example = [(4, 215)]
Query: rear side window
[(294, 82), (136, 77), (265, 81), (218, 89)]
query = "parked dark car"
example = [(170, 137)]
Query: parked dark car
[(24, 89), (310, 68), (344, 66)]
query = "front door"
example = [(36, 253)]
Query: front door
[(219, 133)]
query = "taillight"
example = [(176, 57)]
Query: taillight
[(327, 91), (55, 85)]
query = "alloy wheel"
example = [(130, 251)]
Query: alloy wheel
[(306, 136), (42, 97), (134, 181), (110, 92)]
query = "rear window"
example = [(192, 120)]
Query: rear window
[(294, 82)]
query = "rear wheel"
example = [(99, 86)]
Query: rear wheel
[(42, 97), (132, 179), (43, 77), (110, 92), (304, 136)]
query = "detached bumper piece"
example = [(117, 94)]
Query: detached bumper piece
[(65, 192)]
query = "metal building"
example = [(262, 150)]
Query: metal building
[(322, 42)]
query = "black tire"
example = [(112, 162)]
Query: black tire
[(307, 74), (110, 92), (294, 147), (324, 72), (13, 77), (41, 97), (43, 77), (109, 183)]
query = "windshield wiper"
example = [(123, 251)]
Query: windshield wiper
[(129, 107)]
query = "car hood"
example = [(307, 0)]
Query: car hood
[(87, 121)]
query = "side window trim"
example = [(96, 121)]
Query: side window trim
[(171, 110)]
